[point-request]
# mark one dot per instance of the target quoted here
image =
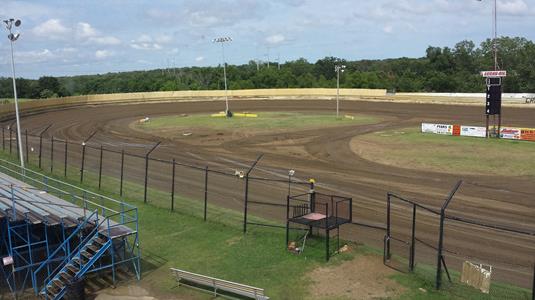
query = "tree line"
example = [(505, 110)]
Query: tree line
[(440, 70)]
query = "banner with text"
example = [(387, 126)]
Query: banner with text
[(474, 131), (437, 128), (510, 133)]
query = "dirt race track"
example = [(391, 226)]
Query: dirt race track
[(326, 156)]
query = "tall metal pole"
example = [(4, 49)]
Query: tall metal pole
[(225, 76), (222, 41), (495, 46), (337, 92), (21, 156), (338, 69)]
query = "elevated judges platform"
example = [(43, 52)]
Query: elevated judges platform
[(317, 210)]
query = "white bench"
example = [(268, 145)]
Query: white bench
[(218, 285)]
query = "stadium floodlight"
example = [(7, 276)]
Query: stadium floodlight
[(495, 31), (338, 69), (222, 41), (12, 38)]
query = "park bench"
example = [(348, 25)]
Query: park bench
[(217, 285)]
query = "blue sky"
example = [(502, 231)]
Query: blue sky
[(86, 37)]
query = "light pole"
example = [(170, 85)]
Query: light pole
[(338, 69), (222, 41), (12, 38)]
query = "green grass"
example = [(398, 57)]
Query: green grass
[(218, 248), (409, 148), (265, 121), (424, 276)]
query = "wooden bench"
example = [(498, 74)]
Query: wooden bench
[(184, 277)]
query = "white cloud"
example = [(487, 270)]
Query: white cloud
[(513, 7), (105, 40), (388, 29), (163, 39), (199, 58), (52, 28), (275, 39), (145, 42), (102, 54), (85, 30)]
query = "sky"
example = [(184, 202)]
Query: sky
[(62, 37)]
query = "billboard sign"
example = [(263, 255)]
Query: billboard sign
[(510, 133), (473, 131), (437, 128), (527, 134)]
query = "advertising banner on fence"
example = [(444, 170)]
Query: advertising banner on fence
[(510, 133), (527, 134), (474, 131), (437, 128)]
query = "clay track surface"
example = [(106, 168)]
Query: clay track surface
[(324, 154)]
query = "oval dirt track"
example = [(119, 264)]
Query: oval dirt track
[(325, 155)]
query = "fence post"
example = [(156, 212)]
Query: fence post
[(439, 250), (147, 170), (411, 260), (387, 239), (440, 259), (173, 186), (287, 221), (205, 191), (246, 198), (122, 174), (533, 285), (327, 254), (245, 203), (10, 138), (66, 153), (82, 167), (100, 168), (84, 143), (52, 154), (40, 149), (27, 157), (146, 178)]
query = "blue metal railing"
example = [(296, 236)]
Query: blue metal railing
[(63, 249)]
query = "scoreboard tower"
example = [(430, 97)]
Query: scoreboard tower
[(493, 100)]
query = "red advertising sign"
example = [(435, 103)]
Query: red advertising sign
[(527, 134), (456, 130)]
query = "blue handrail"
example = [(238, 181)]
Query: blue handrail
[(65, 247)]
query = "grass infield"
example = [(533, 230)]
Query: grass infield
[(409, 148), (264, 121)]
